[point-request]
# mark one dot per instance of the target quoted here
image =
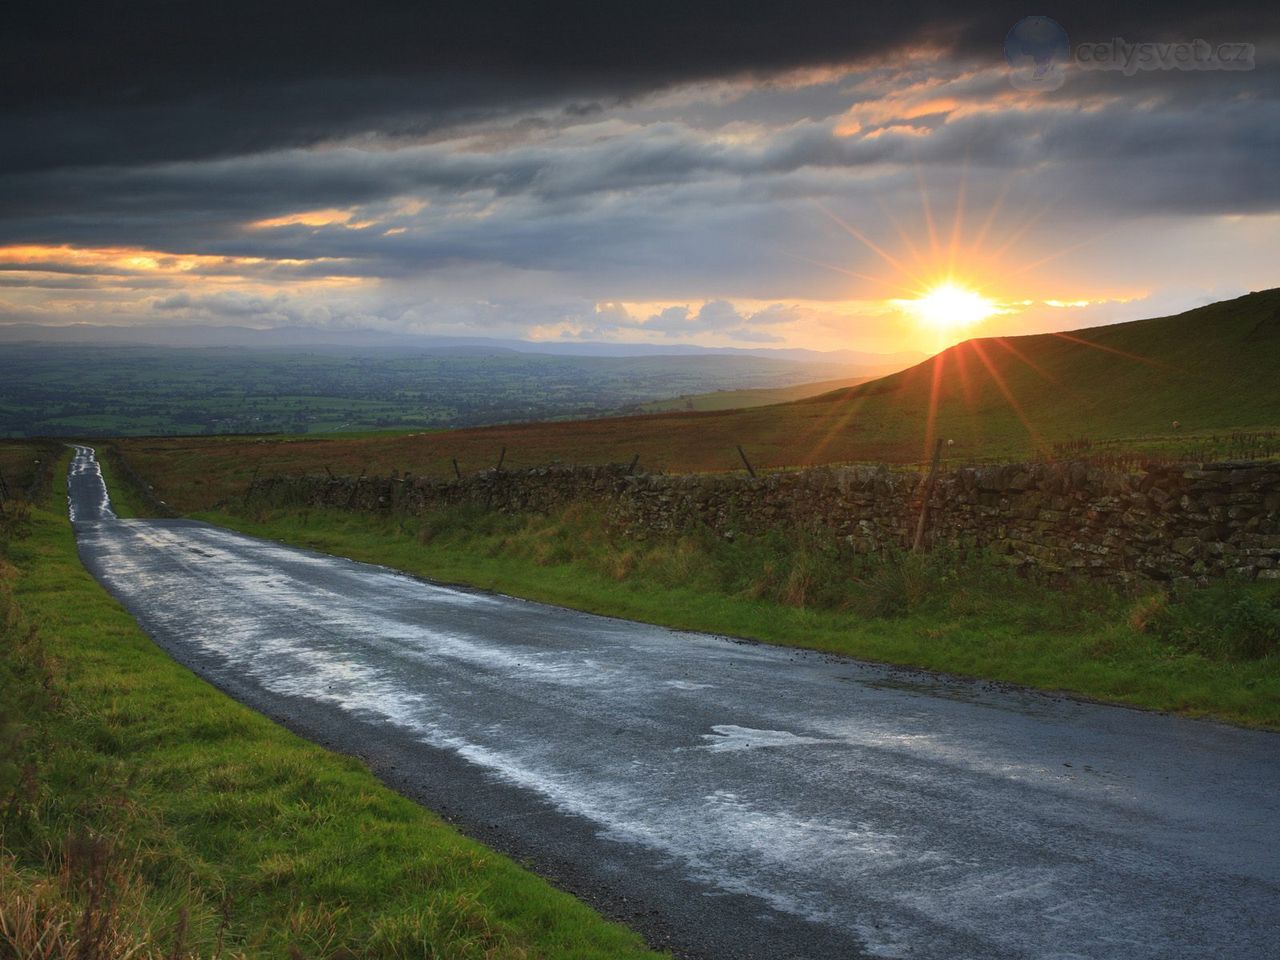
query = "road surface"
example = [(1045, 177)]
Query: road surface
[(730, 799)]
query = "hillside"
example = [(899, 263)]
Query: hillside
[(1212, 369)]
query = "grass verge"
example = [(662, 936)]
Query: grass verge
[(948, 612), (144, 814), (130, 495), (125, 502)]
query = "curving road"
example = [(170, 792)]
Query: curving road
[(732, 799)]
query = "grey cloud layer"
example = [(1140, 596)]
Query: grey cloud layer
[(667, 195)]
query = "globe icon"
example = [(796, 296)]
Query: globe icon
[(1037, 51)]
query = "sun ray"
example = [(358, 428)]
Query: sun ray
[(1121, 353), (1049, 258), (1009, 347), (875, 248), (966, 382), (832, 266), (927, 210), (912, 249), (1021, 230), (957, 219), (941, 281), (935, 391), (1008, 395), (833, 426), (980, 238)]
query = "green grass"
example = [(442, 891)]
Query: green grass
[(959, 614), (187, 818), (126, 500)]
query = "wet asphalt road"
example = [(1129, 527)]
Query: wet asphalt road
[(730, 799)]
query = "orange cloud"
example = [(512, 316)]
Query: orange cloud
[(129, 260), (110, 259), (887, 104), (33, 265), (331, 217), (901, 129)]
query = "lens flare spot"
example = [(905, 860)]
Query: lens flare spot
[(949, 307)]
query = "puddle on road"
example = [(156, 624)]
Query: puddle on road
[(730, 737)]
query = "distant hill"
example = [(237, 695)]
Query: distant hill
[(329, 339), (1211, 369)]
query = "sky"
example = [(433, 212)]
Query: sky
[(800, 174)]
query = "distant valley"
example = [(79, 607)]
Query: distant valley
[(137, 389)]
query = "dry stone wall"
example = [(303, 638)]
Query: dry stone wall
[(1166, 522)]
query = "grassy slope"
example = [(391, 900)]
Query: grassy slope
[(966, 618), (209, 802), (125, 500), (1212, 369)]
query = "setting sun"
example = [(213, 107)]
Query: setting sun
[(949, 307)]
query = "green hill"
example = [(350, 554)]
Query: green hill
[(1213, 368)]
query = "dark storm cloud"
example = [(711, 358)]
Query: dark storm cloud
[(85, 83)]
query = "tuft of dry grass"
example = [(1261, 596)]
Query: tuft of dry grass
[(1146, 610), (91, 908)]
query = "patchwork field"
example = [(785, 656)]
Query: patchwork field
[(741, 399)]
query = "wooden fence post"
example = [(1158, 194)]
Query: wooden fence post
[(632, 469), (918, 542), (745, 461), (457, 471), (355, 487), (501, 457)]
